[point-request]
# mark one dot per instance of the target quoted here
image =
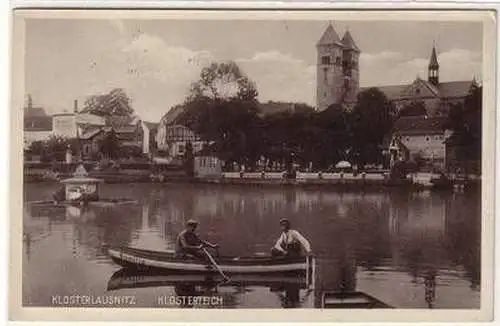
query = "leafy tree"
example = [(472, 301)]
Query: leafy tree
[(372, 119), (416, 108), (109, 146), (223, 81), (116, 102), (465, 120)]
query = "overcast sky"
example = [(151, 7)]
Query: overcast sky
[(155, 61)]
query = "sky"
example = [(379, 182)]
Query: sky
[(155, 61)]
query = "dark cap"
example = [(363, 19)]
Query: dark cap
[(192, 222), (284, 221)]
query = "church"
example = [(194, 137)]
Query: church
[(337, 79)]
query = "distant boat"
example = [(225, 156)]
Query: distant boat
[(351, 300)]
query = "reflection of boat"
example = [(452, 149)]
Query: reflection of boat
[(127, 279), (351, 300), (146, 259), (98, 203)]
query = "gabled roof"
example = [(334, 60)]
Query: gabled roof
[(329, 37), (443, 90), (417, 125), (38, 123), (151, 125), (349, 43), (455, 88), (172, 114), (90, 133), (34, 112), (433, 62), (118, 121)]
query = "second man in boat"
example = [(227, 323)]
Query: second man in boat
[(290, 243), (189, 245)]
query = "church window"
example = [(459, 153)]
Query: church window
[(325, 60)]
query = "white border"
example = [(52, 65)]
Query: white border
[(490, 76)]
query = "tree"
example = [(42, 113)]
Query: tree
[(372, 119), (188, 159), (116, 102), (416, 108), (109, 145), (223, 81), (465, 120)]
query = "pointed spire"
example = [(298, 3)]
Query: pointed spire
[(348, 42), (433, 62), (329, 37)]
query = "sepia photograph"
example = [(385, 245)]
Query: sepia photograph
[(192, 161)]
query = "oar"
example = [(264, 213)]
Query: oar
[(212, 260)]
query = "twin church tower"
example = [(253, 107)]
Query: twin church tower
[(337, 75)]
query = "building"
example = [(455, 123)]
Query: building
[(207, 164), (150, 130), (420, 138), (337, 73), (173, 139), (337, 79), (37, 124)]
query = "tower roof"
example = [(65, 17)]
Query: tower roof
[(348, 42), (433, 62), (329, 37)]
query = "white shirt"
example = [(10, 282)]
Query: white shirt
[(292, 236)]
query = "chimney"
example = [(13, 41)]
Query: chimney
[(75, 106)]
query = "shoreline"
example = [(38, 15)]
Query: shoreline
[(335, 184)]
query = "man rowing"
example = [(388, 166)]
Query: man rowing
[(290, 243), (190, 245)]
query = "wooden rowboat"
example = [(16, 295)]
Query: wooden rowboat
[(166, 261)]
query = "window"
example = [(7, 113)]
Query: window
[(338, 61), (325, 70), (417, 91), (427, 138), (181, 149), (325, 60)]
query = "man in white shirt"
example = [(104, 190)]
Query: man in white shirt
[(290, 243)]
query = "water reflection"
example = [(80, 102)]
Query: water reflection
[(379, 243)]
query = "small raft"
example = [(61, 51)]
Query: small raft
[(166, 261)]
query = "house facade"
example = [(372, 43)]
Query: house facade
[(420, 138), (173, 139)]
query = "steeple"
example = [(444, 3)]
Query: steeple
[(30, 101), (349, 43), (329, 37), (433, 67)]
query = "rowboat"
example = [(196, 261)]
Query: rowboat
[(351, 300), (134, 258), (127, 279)]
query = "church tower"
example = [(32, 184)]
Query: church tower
[(350, 68), (329, 75), (433, 72), (337, 73)]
